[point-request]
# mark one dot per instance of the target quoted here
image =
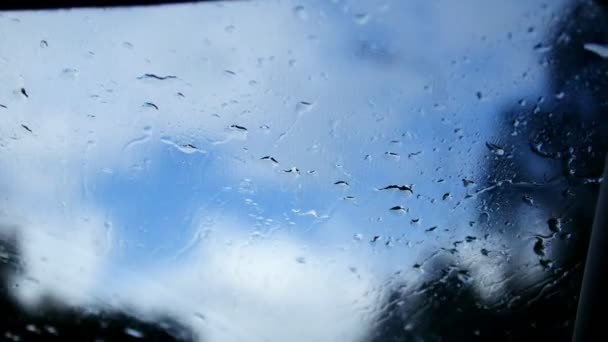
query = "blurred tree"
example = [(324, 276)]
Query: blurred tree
[(564, 134)]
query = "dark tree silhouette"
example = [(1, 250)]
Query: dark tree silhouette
[(564, 134)]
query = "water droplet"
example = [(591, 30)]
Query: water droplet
[(185, 148), (188, 148), (303, 107), (392, 155), (26, 128), (301, 260), (312, 213), (467, 182), (464, 276), (398, 208), (134, 332), (599, 49), (237, 127), (528, 200), (398, 187), (495, 149), (50, 329), (539, 247), (542, 48), (545, 263), (484, 218), (362, 18), (69, 73), (341, 183), (413, 154), (269, 158), (555, 224), (24, 92), (150, 105), (9, 335), (229, 28), (300, 12), (32, 328), (44, 44), (292, 170), (127, 45)]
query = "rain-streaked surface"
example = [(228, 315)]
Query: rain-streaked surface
[(300, 171)]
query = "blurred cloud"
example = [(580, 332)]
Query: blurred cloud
[(233, 287)]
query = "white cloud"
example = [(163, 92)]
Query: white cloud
[(61, 258), (233, 288)]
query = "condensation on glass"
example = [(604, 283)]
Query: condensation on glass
[(300, 170)]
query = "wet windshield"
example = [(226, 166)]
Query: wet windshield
[(300, 171)]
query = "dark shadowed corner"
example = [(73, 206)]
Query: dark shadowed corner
[(52, 320)]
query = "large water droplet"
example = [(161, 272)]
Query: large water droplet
[(495, 149), (539, 247)]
